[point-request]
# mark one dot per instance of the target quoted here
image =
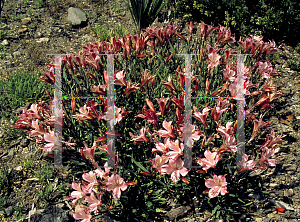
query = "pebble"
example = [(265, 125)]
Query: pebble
[(16, 54), (288, 193), (22, 30), (43, 40), (4, 42), (25, 21), (258, 219), (18, 168)]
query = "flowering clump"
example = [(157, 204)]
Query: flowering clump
[(162, 120)]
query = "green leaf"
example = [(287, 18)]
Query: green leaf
[(139, 165)]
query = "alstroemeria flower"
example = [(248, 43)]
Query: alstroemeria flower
[(116, 183), (103, 174), (176, 168), (158, 162), (113, 115), (49, 137), (246, 164), (214, 60), (217, 184), (82, 214), (210, 160), (150, 116), (229, 74), (170, 85), (142, 137), (88, 153), (169, 130), (189, 134), (120, 78), (80, 192), (161, 147), (162, 104), (95, 202), (38, 129), (265, 157), (257, 125), (90, 177), (217, 112), (177, 151), (201, 116)]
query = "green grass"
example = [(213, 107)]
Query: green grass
[(104, 34), (19, 89)]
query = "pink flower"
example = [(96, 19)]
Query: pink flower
[(116, 183), (201, 116), (169, 130), (113, 115), (142, 137), (90, 177), (158, 162), (217, 184), (177, 151), (162, 104), (80, 192), (246, 164), (163, 148), (103, 174), (229, 75), (88, 153), (213, 60), (257, 125), (95, 202), (176, 168), (38, 129), (217, 112), (189, 133), (82, 214), (266, 155), (210, 161), (49, 137)]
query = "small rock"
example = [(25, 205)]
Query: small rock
[(22, 30), (254, 196), (9, 211), (38, 35), (271, 215), (76, 16), (281, 204), (273, 185), (16, 54), (43, 40), (4, 42), (258, 219), (25, 21), (288, 193), (18, 168)]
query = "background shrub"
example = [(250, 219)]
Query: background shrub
[(273, 19)]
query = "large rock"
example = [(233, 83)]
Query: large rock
[(76, 16)]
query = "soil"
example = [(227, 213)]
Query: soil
[(48, 32)]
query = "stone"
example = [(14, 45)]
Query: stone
[(258, 219), (18, 168), (180, 211), (16, 54), (4, 42), (76, 16), (288, 193), (25, 21), (22, 30), (43, 40), (51, 213), (9, 210)]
